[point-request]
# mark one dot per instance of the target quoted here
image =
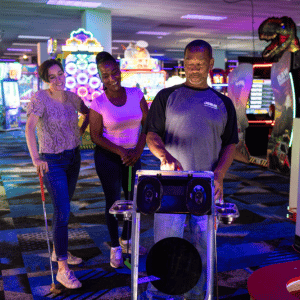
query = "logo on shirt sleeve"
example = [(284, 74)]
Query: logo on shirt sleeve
[(211, 105)]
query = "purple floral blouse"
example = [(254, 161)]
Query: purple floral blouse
[(57, 127)]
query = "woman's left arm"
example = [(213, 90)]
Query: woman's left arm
[(136, 153)]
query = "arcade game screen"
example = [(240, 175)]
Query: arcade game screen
[(219, 80), (261, 97), (11, 94), (150, 83)]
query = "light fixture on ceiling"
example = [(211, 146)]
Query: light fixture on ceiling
[(157, 54), (7, 60), (25, 57), (11, 54), (161, 33), (75, 3), (24, 44), (203, 17), (18, 50), (241, 37), (123, 41), (174, 50), (34, 37)]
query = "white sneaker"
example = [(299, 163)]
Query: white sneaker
[(124, 245), (72, 260), (68, 279), (116, 258)]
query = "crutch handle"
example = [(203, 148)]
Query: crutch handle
[(42, 187)]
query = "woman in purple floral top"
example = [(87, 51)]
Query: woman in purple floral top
[(54, 112)]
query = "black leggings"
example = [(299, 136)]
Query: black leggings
[(113, 175)]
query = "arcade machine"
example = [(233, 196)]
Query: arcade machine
[(139, 70), (173, 264), (219, 80), (79, 60), (240, 81), (10, 116), (284, 49), (257, 109), (28, 85)]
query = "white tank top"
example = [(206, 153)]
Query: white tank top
[(121, 124)]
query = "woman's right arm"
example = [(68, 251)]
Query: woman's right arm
[(41, 166), (96, 132)]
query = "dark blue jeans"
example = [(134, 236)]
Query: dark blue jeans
[(60, 182), (113, 175)]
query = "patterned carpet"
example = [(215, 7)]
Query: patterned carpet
[(261, 236)]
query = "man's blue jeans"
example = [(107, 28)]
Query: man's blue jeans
[(60, 182), (172, 225)]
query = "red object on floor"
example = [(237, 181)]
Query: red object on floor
[(269, 283)]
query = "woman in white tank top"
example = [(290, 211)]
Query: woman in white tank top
[(116, 118)]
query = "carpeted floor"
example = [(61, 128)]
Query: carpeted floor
[(261, 236)]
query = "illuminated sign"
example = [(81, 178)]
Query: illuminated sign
[(82, 40), (51, 46), (139, 64)]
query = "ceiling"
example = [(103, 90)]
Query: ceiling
[(35, 17)]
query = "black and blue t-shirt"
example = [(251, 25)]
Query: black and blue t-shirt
[(195, 124)]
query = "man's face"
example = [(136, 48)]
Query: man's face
[(197, 64)]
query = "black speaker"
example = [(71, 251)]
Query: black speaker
[(174, 192)]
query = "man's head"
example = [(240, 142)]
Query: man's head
[(198, 62)]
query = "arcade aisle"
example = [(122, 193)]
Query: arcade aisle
[(260, 236)]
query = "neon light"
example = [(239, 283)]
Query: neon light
[(294, 105), (262, 65), (18, 49), (80, 31), (82, 64), (70, 82), (267, 122), (153, 33), (71, 68), (82, 91), (74, 3), (92, 69), (82, 40), (203, 17), (82, 78), (94, 82)]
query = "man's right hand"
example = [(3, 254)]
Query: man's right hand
[(169, 163)]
